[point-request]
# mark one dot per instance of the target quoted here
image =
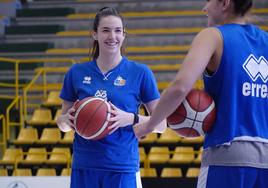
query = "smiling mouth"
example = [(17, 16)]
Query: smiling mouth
[(111, 43)]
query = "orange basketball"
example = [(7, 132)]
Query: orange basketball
[(91, 118), (195, 116)]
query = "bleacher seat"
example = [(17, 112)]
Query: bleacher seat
[(3, 172), (198, 158), (148, 172), (59, 156), (53, 99), (40, 117), (149, 139), (49, 136), (66, 172), (171, 173), (46, 172), (35, 156), (11, 156), (158, 155), (182, 155), (196, 140), (22, 172), (27, 136), (192, 172), (169, 136), (67, 138)]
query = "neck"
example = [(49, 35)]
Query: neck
[(107, 63), (236, 20)]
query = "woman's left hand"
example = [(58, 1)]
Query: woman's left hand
[(120, 118)]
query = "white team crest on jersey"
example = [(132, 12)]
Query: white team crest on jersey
[(119, 81), (256, 68), (101, 94), (87, 80)]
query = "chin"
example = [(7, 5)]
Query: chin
[(112, 51)]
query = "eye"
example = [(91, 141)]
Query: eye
[(118, 30), (105, 30)]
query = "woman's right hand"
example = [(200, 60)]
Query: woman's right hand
[(66, 121)]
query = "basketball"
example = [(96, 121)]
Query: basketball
[(90, 118), (195, 116)]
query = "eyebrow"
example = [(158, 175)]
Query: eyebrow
[(111, 28)]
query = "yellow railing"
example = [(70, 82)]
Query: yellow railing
[(16, 102), (16, 85), (16, 72), (44, 86), (3, 141)]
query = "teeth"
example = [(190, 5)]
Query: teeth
[(111, 43)]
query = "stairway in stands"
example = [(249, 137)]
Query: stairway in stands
[(159, 32)]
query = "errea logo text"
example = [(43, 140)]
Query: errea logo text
[(87, 80)]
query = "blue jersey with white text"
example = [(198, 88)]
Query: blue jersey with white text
[(240, 86), (127, 86)]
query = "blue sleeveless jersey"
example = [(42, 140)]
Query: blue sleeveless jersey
[(240, 86), (127, 86)]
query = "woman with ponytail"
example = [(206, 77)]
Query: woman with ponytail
[(111, 162)]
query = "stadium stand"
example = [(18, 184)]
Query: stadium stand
[(158, 34)]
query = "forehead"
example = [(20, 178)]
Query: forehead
[(111, 22)]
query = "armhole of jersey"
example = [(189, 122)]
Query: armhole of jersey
[(208, 73)]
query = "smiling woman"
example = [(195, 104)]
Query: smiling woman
[(113, 161), (108, 31)]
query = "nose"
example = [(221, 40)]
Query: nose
[(112, 34), (204, 9)]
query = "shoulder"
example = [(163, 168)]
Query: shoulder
[(210, 32), (210, 36)]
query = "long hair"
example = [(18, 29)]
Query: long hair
[(103, 12)]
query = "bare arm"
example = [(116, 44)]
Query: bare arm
[(202, 49), (63, 121), (122, 118), (161, 127)]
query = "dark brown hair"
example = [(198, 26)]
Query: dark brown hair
[(103, 12), (241, 7)]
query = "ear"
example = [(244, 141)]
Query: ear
[(94, 35), (226, 4), (124, 34)]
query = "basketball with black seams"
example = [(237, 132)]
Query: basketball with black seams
[(90, 118), (195, 116)]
